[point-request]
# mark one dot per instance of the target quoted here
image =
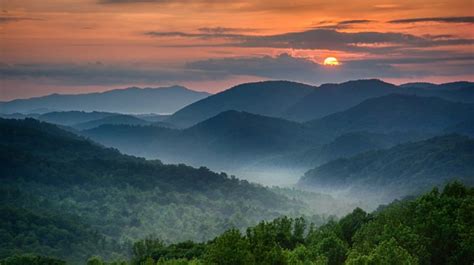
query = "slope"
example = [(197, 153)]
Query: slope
[(129, 100), (400, 170), (269, 98)]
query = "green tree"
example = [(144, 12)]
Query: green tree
[(229, 249), (333, 248), (144, 249), (31, 260)]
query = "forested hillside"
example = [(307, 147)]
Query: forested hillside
[(401, 170), (436, 228), (394, 113), (102, 194)]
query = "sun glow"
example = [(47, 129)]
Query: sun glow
[(331, 61)]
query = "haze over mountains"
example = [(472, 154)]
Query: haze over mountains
[(266, 131), (399, 171), (77, 194), (135, 100), (272, 132), (329, 148)]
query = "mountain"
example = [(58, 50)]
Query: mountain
[(270, 98), (465, 127), (130, 100), (400, 170), (81, 120), (273, 150), (229, 138), (68, 118), (113, 119), (393, 113), (445, 86), (300, 102), (246, 133), (331, 98), (461, 91), (346, 145), (417, 230), (105, 196)]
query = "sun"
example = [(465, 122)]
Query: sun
[(331, 61)]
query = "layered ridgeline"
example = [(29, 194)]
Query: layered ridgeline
[(401, 170), (396, 112), (229, 137), (300, 102), (129, 100), (254, 145), (435, 228), (271, 98), (82, 120), (65, 196)]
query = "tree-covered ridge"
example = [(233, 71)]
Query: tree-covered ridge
[(435, 228), (403, 169), (395, 112), (46, 171)]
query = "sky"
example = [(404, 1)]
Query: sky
[(79, 46)]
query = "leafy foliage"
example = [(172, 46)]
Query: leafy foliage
[(109, 197), (400, 170), (435, 228)]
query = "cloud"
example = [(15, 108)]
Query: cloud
[(330, 39), (342, 24), (9, 19), (435, 19), (97, 74), (201, 35), (131, 1), (355, 21), (222, 30), (283, 66)]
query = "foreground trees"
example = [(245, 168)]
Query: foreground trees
[(435, 228)]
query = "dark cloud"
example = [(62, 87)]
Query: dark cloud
[(342, 24), (435, 19), (355, 21), (222, 30), (283, 66), (131, 1), (97, 74), (287, 67), (325, 39), (201, 34), (9, 19)]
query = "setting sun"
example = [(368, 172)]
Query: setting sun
[(331, 61)]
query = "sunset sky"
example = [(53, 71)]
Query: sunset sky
[(77, 46)]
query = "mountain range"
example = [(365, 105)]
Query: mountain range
[(398, 171), (300, 102), (163, 100), (86, 182), (60, 191), (244, 143)]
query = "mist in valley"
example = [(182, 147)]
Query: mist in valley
[(151, 132)]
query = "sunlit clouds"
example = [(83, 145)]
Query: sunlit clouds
[(210, 45)]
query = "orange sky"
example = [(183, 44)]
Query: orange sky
[(76, 46)]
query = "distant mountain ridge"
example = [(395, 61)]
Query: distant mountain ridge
[(162, 100), (330, 98), (395, 112), (269, 98), (301, 102), (399, 170)]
